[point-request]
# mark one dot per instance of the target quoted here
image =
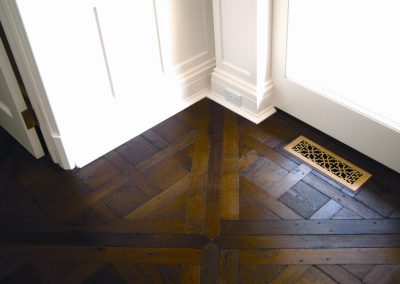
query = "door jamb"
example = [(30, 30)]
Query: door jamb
[(18, 40)]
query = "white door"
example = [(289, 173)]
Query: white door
[(334, 66), (11, 106)]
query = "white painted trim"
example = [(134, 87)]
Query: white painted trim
[(195, 86), (346, 124), (253, 117), (253, 107), (162, 22), (18, 40)]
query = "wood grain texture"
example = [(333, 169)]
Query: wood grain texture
[(203, 197)]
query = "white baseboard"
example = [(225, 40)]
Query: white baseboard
[(253, 117), (195, 86), (255, 105)]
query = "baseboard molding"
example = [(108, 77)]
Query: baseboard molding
[(195, 86), (253, 117), (255, 105)]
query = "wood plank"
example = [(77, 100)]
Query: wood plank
[(339, 274), (259, 274), (104, 212), (291, 273), (321, 256), (230, 168), (290, 180), (155, 139), (160, 200), (126, 226), (379, 198), (303, 199), (267, 152), (131, 273), (213, 204), (104, 239), (94, 196), (252, 208), (358, 270), (383, 274), (167, 152), (135, 175), (102, 254), (247, 159), (327, 211), (190, 274), (83, 271), (271, 203), (229, 267), (7, 268), (308, 241), (314, 275), (196, 199), (340, 197), (311, 227), (209, 264)]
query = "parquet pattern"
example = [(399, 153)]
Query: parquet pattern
[(204, 197)]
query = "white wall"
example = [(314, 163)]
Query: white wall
[(112, 69), (349, 51)]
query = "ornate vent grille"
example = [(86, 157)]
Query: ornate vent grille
[(327, 162)]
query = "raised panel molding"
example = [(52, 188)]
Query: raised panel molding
[(243, 33), (252, 90), (166, 35)]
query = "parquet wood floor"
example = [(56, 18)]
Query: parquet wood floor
[(204, 197)]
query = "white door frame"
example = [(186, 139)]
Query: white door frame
[(18, 40), (351, 127)]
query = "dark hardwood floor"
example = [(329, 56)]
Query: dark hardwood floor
[(205, 196)]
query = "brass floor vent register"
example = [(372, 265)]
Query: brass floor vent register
[(328, 162)]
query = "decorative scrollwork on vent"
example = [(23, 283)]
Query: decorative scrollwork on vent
[(327, 162), (338, 168)]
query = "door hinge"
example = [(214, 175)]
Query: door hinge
[(29, 118)]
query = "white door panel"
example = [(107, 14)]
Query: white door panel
[(339, 116), (11, 106)]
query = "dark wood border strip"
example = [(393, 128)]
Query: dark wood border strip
[(101, 254), (209, 264), (307, 241), (311, 227), (321, 256), (104, 239), (135, 226)]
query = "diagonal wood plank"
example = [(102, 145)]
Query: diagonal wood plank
[(291, 273), (82, 272), (267, 152), (166, 152), (94, 196), (339, 274), (383, 274), (136, 176), (160, 200), (290, 180), (341, 197), (271, 203)]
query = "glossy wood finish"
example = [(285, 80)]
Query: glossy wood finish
[(204, 197)]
